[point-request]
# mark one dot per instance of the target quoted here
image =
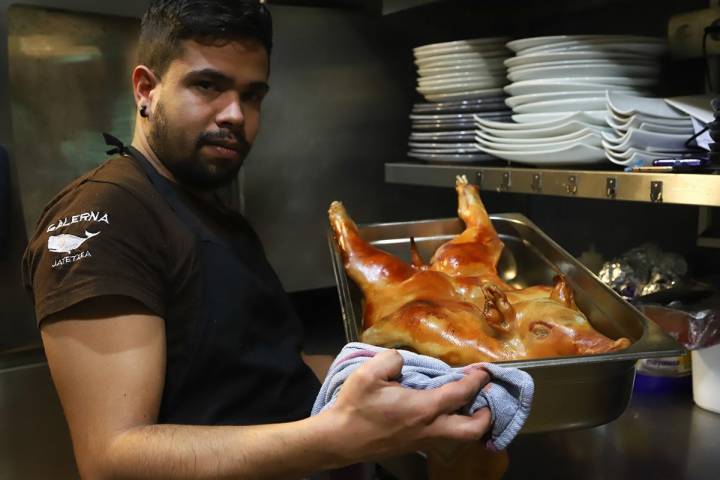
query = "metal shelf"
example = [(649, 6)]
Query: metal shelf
[(675, 188)]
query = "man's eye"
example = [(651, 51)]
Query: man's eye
[(206, 85), (253, 96)]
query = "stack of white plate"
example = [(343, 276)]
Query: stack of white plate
[(644, 129), (460, 80), (554, 76), (571, 139), (445, 132), (461, 70)]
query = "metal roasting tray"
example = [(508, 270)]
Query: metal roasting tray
[(570, 392)]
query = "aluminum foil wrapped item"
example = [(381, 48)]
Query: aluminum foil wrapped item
[(642, 271)]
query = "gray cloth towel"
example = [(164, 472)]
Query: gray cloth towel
[(508, 395)]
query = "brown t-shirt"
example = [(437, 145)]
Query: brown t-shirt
[(110, 233), (233, 346)]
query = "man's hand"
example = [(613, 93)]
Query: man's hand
[(376, 417)]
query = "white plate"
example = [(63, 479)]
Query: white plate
[(635, 159), (427, 145), (482, 93), (610, 57), (591, 140), (454, 151), (454, 117), (626, 105), (459, 44), (564, 105), (475, 77), (620, 72), (643, 48), (574, 155), (543, 117), (455, 67), (641, 124), (668, 122), (518, 100), (459, 87), (449, 157), (535, 136), (585, 64), (571, 117), (549, 40), (461, 57), (567, 85), (639, 139), (462, 136)]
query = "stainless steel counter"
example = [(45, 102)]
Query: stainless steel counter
[(659, 436)]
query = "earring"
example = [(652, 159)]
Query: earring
[(143, 111)]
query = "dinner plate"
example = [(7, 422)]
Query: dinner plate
[(644, 48), (462, 57), (535, 136), (639, 139), (455, 151), (542, 117), (441, 127), (635, 159), (426, 145), (626, 105), (580, 117), (481, 93), (523, 44), (459, 67), (518, 100), (438, 82), (542, 57), (586, 64), (481, 104), (455, 117), (574, 155), (666, 121), (451, 157), (563, 105), (622, 75), (456, 136), (459, 87), (553, 85), (650, 126), (460, 45), (591, 139)]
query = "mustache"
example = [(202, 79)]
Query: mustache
[(223, 137)]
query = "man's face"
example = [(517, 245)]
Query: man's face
[(206, 111)]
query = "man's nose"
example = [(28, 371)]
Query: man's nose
[(231, 114)]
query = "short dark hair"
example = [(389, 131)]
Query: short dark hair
[(166, 23)]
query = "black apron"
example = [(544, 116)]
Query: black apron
[(244, 363)]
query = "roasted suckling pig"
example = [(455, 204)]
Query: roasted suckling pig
[(456, 307)]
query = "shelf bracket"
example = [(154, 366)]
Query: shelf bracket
[(656, 192)]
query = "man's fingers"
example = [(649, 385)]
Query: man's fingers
[(386, 365), (454, 395), (461, 427)]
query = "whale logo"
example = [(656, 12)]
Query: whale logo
[(66, 243)]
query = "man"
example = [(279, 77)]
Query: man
[(173, 348)]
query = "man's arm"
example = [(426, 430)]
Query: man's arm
[(107, 359)]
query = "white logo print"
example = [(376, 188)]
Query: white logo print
[(66, 243), (83, 217)]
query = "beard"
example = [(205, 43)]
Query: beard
[(182, 156)]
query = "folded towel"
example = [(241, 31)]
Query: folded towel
[(508, 395)]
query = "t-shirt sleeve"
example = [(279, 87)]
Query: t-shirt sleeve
[(97, 240)]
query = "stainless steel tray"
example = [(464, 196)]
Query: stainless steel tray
[(570, 392)]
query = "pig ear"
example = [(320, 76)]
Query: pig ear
[(417, 260), (498, 312), (563, 293)]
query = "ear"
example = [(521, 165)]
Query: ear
[(145, 84)]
